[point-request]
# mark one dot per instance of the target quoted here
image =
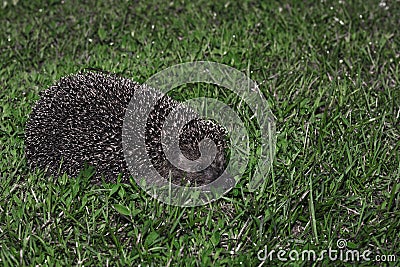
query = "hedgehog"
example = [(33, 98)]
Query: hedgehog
[(78, 121)]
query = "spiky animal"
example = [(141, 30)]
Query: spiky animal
[(78, 122)]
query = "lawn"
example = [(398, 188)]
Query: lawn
[(330, 71)]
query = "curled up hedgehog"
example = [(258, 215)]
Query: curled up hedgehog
[(78, 122)]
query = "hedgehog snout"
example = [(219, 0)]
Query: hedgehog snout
[(190, 160)]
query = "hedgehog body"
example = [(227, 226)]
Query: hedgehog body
[(78, 122)]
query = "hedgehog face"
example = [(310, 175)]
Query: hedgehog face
[(78, 121)]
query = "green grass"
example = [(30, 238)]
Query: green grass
[(331, 73)]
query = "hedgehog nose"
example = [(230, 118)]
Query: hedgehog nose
[(208, 151)]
